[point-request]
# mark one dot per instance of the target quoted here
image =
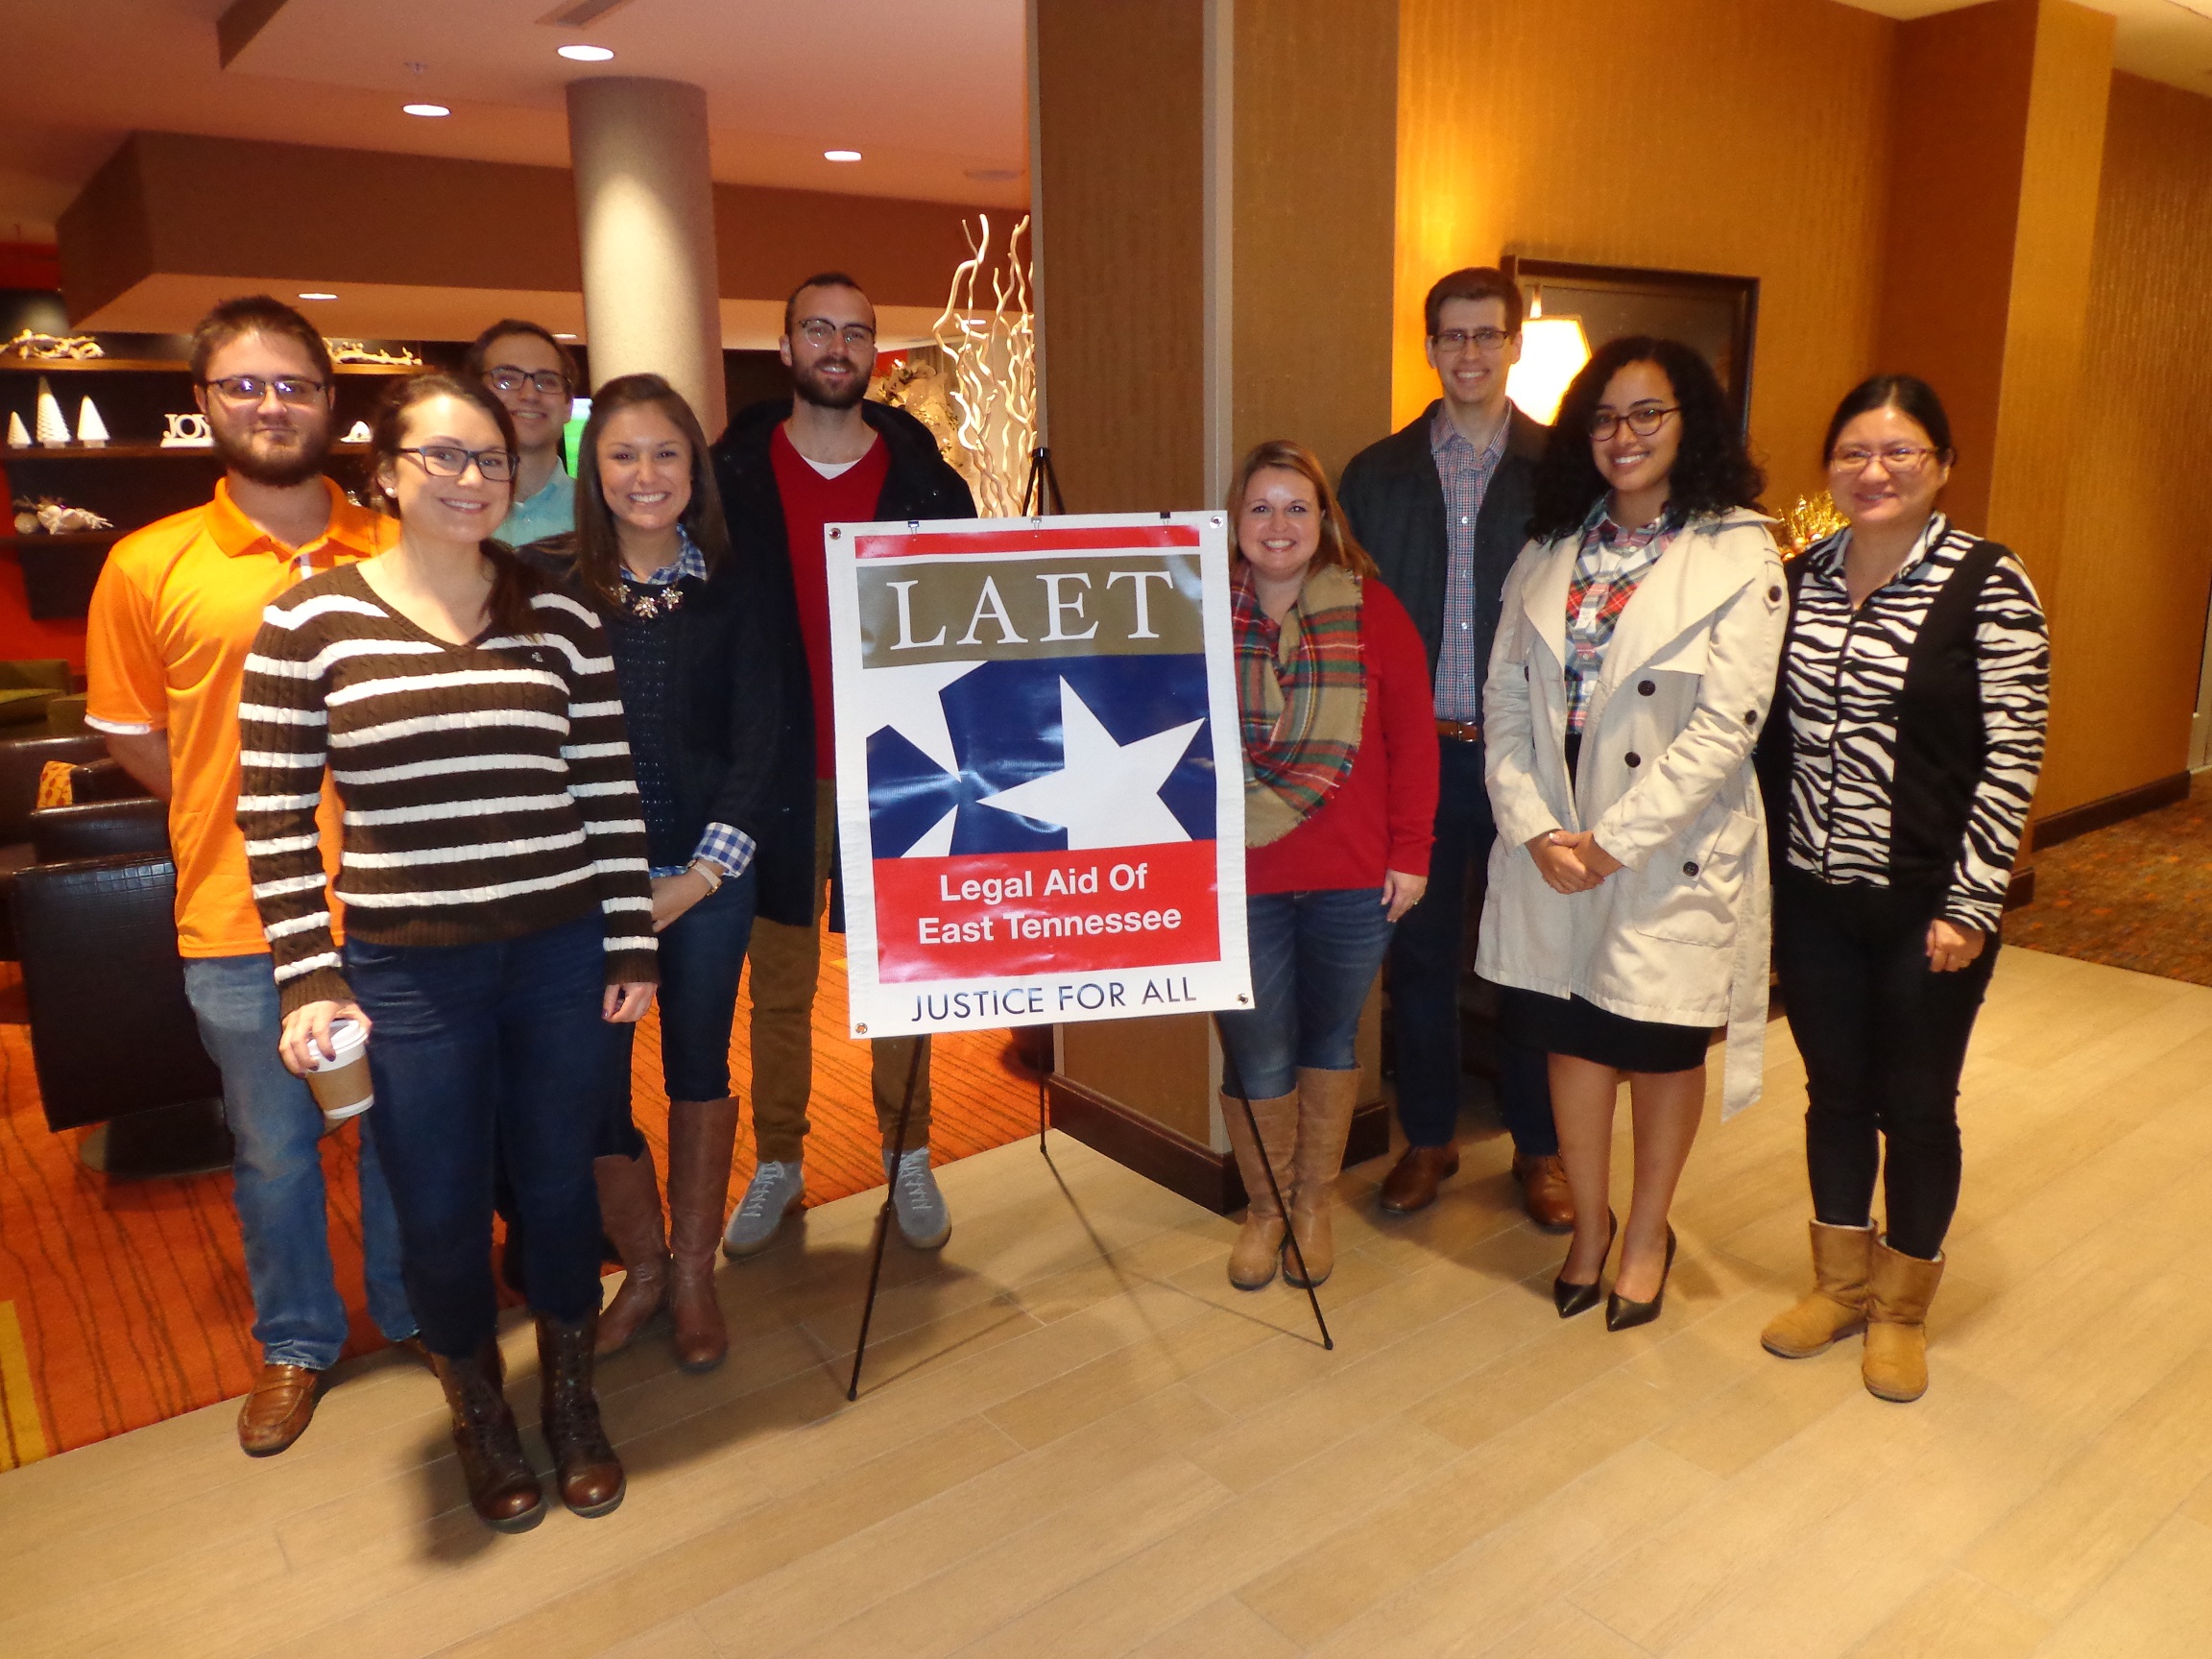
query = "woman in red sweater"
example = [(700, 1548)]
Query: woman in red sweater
[(1339, 803)]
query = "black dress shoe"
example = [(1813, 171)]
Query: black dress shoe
[(1622, 1315), (1571, 1298)]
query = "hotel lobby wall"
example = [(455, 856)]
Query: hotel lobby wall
[(2128, 605), (169, 202)]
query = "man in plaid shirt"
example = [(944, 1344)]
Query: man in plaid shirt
[(1443, 506)]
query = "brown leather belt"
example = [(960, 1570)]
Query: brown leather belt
[(1462, 730)]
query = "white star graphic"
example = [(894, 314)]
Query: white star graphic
[(1106, 794), (907, 699)]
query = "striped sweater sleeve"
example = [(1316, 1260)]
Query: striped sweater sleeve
[(283, 731), (603, 785), (2014, 649)]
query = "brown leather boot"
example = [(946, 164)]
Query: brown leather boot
[(629, 1212), (1900, 1290), (1835, 1307), (1325, 1100), (278, 1409), (502, 1488), (702, 1140), (1252, 1258), (1413, 1180), (585, 1468), (1544, 1191)]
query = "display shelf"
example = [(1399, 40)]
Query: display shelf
[(11, 543), (33, 454), (159, 366)]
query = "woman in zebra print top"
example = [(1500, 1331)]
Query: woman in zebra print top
[(1903, 750), (493, 870)]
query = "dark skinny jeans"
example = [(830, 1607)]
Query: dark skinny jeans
[(1883, 1038)]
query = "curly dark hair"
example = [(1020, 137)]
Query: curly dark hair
[(1713, 472)]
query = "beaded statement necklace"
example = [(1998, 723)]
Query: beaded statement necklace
[(646, 601)]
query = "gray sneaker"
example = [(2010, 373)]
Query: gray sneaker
[(922, 1219), (777, 1192)]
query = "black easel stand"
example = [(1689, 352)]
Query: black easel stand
[(883, 1219), (1044, 486), (1236, 1083)]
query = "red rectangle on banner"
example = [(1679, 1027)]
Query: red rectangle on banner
[(935, 544), (988, 915)]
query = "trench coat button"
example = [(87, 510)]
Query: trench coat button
[(1645, 688), (1773, 595), (1690, 869), (1750, 716), (1634, 758)]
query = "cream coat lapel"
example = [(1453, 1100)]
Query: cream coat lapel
[(1544, 599), (1687, 585)]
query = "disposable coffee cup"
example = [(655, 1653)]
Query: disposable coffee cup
[(341, 1082)]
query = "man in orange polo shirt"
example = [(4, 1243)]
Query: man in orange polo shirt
[(177, 608)]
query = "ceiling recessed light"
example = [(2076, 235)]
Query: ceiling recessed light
[(318, 295), (840, 155), (586, 54), (558, 335), (428, 109)]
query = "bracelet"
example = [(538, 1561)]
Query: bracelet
[(711, 873)]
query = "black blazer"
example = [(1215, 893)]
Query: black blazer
[(1395, 500), (919, 484), (731, 637)]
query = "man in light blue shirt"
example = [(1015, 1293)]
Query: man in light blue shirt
[(531, 372)]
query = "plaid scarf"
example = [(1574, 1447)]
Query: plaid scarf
[(1301, 697), (1597, 596)]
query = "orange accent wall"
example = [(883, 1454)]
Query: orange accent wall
[(1700, 135), (2128, 606)]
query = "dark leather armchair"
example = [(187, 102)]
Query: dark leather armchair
[(112, 1034), (21, 761), (100, 829)]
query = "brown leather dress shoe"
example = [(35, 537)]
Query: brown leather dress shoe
[(278, 1410), (1413, 1182), (1544, 1191)]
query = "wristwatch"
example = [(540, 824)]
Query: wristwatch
[(710, 871)]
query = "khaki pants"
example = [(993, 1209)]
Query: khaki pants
[(787, 968)]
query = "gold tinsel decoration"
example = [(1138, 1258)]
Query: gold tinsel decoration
[(1814, 518)]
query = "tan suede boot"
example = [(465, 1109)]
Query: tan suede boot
[(630, 1211), (1896, 1363), (1252, 1258), (1836, 1308), (1325, 1101), (702, 1139)]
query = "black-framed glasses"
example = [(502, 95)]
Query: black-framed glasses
[(252, 388), (1894, 458), (820, 331), (505, 379), (1644, 420), (451, 460), (1450, 342)]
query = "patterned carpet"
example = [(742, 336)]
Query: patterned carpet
[(2138, 895), (123, 1304)]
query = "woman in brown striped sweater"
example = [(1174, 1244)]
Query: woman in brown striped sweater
[(497, 905)]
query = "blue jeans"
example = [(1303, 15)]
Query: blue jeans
[(1314, 956), (276, 1176), (701, 955), (482, 1053), (1426, 961)]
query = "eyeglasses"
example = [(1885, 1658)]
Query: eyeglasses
[(550, 381), (1896, 458), (820, 331), (451, 460), (252, 388), (1644, 420), (1454, 341)]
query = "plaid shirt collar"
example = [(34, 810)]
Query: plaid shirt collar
[(1446, 440), (689, 563)]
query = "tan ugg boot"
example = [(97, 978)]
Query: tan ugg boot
[(1325, 1100), (1252, 1258), (1836, 1308), (1896, 1362)]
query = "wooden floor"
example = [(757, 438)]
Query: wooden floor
[(1075, 1439)]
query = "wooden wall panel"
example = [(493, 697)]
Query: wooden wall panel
[(2128, 606), (1315, 164), (1119, 174), (1702, 134)]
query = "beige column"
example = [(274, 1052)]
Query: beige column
[(645, 218)]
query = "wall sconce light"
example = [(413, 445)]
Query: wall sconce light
[(1552, 352)]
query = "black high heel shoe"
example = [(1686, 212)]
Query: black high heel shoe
[(1622, 1315), (1571, 1298)]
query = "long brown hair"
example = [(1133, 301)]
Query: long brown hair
[(1338, 545), (598, 537), (514, 584)]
